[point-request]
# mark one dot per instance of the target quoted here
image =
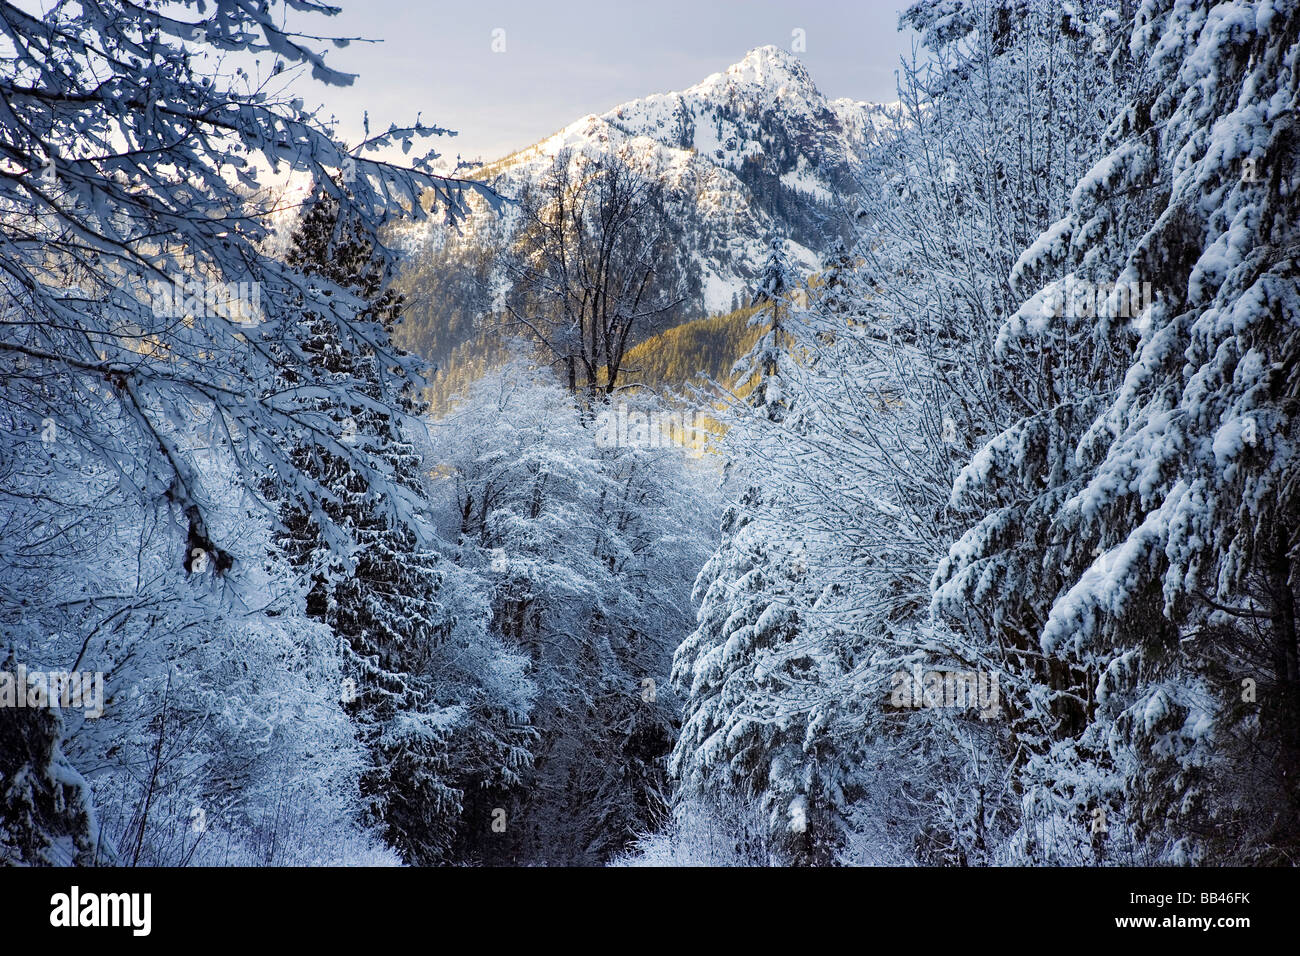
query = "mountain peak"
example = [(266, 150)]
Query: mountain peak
[(769, 67), (770, 59)]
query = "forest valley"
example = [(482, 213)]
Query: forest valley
[(444, 520)]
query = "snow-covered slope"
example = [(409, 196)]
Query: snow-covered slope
[(748, 153)]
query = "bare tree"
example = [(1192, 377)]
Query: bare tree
[(592, 265)]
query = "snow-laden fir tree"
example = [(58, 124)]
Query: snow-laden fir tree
[(46, 815), (753, 674), (759, 372), (1168, 528), (413, 646), (836, 288)]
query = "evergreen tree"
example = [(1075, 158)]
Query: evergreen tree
[(760, 370), (752, 675), (429, 729), (1169, 617), (754, 672), (836, 292), (46, 817)]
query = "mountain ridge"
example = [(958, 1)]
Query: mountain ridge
[(749, 152)]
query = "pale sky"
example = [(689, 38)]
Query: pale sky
[(564, 59)]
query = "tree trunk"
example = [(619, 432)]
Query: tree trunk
[(1286, 662)]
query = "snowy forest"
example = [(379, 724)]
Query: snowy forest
[(357, 508)]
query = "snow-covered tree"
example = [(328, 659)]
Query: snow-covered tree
[(415, 650), (753, 676), (588, 548), (1166, 523), (838, 286), (760, 373), (755, 671), (140, 323), (46, 816)]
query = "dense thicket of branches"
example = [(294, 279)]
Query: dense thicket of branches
[(169, 392)]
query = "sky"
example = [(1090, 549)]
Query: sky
[(506, 73)]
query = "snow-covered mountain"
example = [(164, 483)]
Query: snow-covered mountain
[(748, 153)]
